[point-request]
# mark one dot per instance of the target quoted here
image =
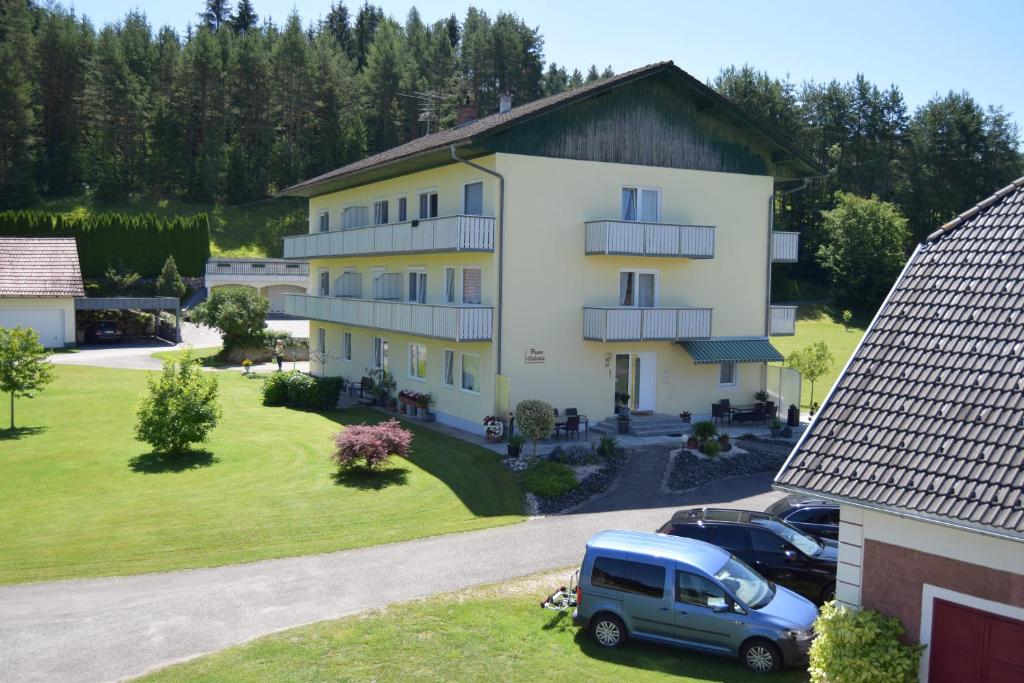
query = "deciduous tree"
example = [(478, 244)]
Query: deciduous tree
[(24, 365)]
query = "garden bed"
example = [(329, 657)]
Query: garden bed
[(690, 471), (594, 472)]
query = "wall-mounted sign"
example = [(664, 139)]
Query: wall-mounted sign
[(535, 356)]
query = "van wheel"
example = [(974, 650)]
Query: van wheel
[(761, 656), (608, 630)]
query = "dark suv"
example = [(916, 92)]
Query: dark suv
[(814, 516), (778, 551)]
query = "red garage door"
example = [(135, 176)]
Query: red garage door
[(969, 645)]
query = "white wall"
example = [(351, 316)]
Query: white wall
[(64, 304)]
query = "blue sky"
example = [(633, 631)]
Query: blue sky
[(925, 47)]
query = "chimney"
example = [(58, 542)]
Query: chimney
[(465, 113), (505, 103)]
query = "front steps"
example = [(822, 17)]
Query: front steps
[(657, 424)]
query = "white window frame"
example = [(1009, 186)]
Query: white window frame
[(323, 277), (483, 187), (379, 357), (639, 202), (382, 201), (462, 286), (421, 281), (427, 191), (321, 342), (448, 354), (346, 346), (637, 272), (323, 221), (462, 372), (735, 374), (402, 216), (411, 372), (454, 299)]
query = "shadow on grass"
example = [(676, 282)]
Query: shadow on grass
[(371, 480), (156, 463), (20, 432)]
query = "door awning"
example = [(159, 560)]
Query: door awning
[(747, 350)]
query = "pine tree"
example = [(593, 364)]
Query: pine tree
[(170, 283), (292, 88), (216, 13), (244, 18), (18, 111)]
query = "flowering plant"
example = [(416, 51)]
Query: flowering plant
[(247, 364), (413, 397), (494, 427)]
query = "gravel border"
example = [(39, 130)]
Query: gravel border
[(596, 483), (687, 471)]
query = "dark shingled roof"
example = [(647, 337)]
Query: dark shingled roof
[(491, 124), (927, 419), (39, 266)]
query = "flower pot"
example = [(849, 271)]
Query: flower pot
[(691, 443), (513, 451), (685, 417), (491, 438), (793, 417)]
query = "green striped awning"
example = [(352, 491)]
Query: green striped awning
[(750, 350)]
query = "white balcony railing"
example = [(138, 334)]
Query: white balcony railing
[(450, 233), (650, 239), (454, 323), (645, 324), (785, 246), (273, 269), (781, 320)]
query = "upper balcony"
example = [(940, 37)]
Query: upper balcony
[(452, 323), (627, 323), (650, 239), (229, 270), (785, 246), (445, 234), (781, 320)]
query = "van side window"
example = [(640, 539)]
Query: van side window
[(632, 577), (733, 538), (697, 590)]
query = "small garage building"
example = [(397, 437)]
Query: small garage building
[(39, 280)]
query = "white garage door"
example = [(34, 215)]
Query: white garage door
[(48, 323)]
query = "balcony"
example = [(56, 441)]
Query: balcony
[(785, 246), (650, 239), (453, 323), (645, 324), (781, 321), (447, 234), (260, 271)]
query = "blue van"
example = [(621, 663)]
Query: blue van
[(685, 592)]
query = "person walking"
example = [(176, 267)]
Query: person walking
[(279, 354)]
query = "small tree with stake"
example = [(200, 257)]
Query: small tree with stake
[(23, 364), (811, 362), (535, 419)]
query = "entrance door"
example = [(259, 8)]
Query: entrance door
[(645, 374)]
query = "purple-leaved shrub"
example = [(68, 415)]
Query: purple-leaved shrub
[(370, 446)]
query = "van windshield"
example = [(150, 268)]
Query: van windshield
[(745, 583)]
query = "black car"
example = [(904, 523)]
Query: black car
[(103, 331), (778, 551), (814, 516)]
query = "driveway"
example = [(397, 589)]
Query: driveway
[(109, 629)]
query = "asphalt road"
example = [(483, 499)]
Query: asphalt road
[(110, 629)]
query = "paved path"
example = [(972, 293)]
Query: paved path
[(109, 629)]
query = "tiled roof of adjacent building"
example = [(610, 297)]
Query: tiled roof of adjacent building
[(39, 266), (499, 121), (928, 417)]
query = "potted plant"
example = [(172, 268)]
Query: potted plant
[(685, 415), (402, 400), (761, 396), (246, 366), (723, 441), (793, 417), (691, 442), (776, 428), (703, 431), (622, 403), (494, 429), (383, 385), (624, 421), (515, 445), (428, 401)]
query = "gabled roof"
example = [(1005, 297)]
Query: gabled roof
[(927, 419), (39, 266), (489, 125)]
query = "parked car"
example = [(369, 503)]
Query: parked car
[(778, 551), (815, 516), (679, 591), (103, 331)]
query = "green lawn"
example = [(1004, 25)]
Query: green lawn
[(204, 355), (816, 323), (496, 633), (79, 496)]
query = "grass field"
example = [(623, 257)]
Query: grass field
[(495, 633), (252, 230), (206, 355), (79, 496), (816, 323)]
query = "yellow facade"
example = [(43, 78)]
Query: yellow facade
[(548, 279)]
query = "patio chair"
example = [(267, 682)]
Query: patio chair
[(571, 426), (760, 413), (717, 412)]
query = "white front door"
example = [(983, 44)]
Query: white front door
[(645, 375)]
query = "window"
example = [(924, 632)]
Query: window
[(727, 374), (325, 222), (380, 212), (346, 346), (321, 341), (380, 353), (417, 287), (473, 199), (631, 577), (449, 368), (637, 289), (449, 285), (471, 373), (697, 531), (325, 283), (417, 361), (353, 217), (428, 205), (815, 516), (403, 209), (641, 204), (733, 538), (471, 278), (698, 590), (766, 542)]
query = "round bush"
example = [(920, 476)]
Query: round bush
[(549, 479), (860, 645), (275, 389), (535, 420)]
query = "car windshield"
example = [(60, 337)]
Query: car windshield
[(804, 543), (746, 584)]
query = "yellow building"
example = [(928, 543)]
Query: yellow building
[(609, 245)]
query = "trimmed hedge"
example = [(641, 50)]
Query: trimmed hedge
[(299, 390), (142, 242)]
